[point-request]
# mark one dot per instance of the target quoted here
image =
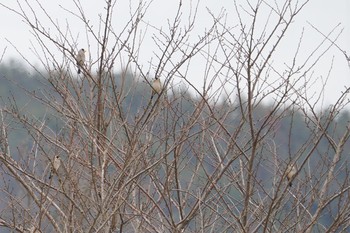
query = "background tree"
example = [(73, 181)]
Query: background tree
[(175, 163)]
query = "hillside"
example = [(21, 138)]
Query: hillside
[(167, 142)]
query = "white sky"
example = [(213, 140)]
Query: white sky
[(323, 14)]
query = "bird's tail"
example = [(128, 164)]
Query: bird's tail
[(79, 71)]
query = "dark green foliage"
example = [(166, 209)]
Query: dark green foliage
[(25, 91)]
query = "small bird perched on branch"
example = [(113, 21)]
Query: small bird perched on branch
[(291, 171), (80, 59), (55, 165), (156, 87)]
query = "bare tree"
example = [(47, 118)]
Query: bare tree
[(212, 163)]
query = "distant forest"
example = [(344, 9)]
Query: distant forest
[(19, 83), (289, 137)]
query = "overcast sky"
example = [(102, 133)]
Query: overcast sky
[(325, 15)]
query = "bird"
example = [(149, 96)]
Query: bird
[(80, 59), (55, 165), (291, 172), (156, 87)]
